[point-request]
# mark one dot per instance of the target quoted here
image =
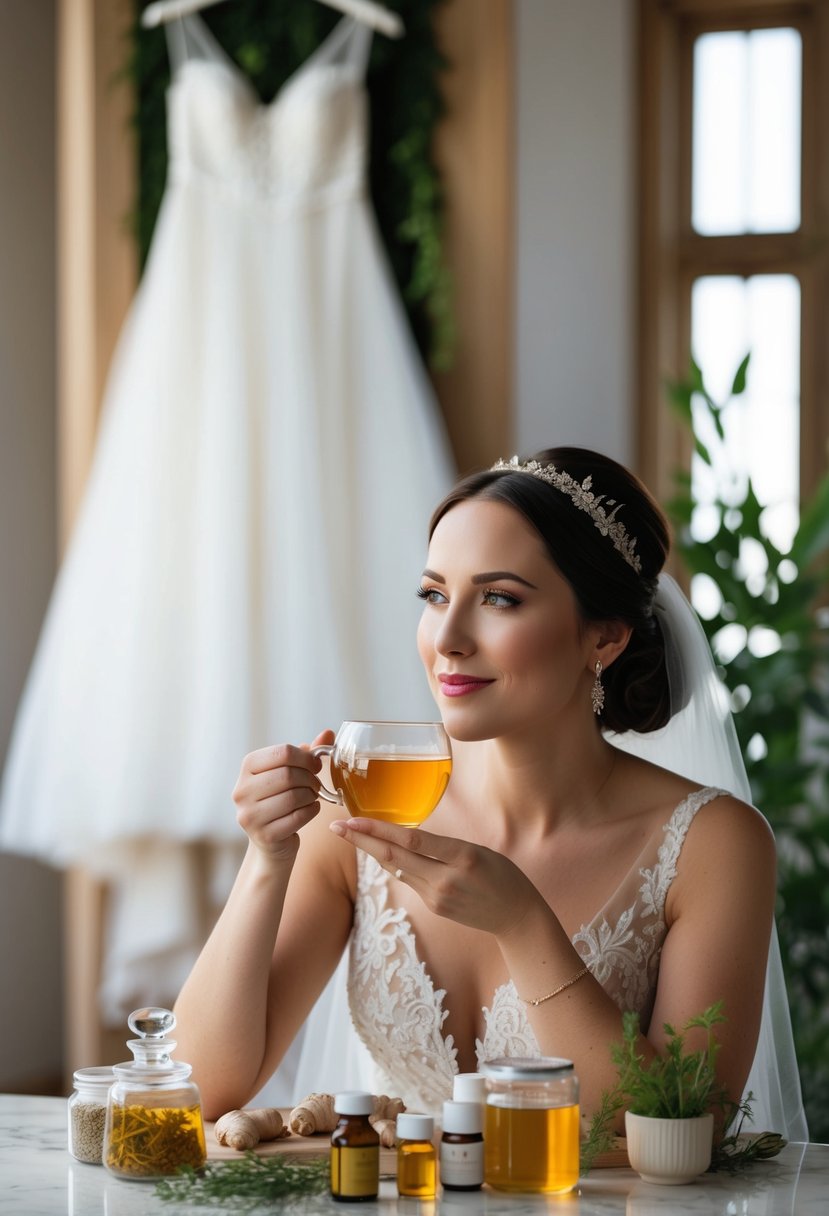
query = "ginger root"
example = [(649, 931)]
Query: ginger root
[(386, 1130), (242, 1129), (316, 1114), (386, 1108)]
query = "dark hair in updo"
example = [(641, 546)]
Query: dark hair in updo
[(606, 587)]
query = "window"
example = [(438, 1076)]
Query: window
[(745, 131), (734, 234)]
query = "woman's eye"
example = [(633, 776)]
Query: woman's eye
[(499, 599), (431, 595)]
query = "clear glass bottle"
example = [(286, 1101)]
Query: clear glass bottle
[(355, 1150), (462, 1147), (531, 1129), (87, 1113), (153, 1120), (416, 1159)]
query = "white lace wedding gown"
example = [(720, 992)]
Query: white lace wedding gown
[(244, 565)]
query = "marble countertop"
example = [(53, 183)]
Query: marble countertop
[(39, 1178)]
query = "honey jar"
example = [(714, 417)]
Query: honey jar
[(531, 1129)]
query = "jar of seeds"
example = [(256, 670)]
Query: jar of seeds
[(87, 1113)]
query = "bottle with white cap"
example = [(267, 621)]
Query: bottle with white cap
[(355, 1149), (416, 1163), (469, 1087), (462, 1147)]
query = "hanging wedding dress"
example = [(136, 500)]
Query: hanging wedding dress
[(244, 564)]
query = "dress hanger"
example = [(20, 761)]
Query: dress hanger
[(368, 11)]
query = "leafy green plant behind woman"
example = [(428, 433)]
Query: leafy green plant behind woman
[(773, 617)]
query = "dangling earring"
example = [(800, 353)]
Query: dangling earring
[(597, 692)]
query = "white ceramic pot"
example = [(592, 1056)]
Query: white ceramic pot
[(669, 1151)]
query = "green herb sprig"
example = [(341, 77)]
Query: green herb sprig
[(676, 1084), (247, 1183)]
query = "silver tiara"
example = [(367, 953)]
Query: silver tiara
[(584, 498)]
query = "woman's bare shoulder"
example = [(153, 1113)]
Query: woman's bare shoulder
[(728, 855), (655, 788), (728, 822)]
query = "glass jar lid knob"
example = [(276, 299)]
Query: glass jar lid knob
[(152, 1022), (152, 1049)]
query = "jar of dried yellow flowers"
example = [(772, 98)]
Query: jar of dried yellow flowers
[(153, 1120)]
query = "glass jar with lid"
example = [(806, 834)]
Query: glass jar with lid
[(153, 1120), (87, 1113), (531, 1133)]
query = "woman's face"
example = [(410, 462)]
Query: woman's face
[(500, 636)]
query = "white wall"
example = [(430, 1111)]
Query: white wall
[(575, 224), (30, 955)]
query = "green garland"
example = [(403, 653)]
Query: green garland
[(270, 39)]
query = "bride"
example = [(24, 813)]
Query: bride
[(563, 878)]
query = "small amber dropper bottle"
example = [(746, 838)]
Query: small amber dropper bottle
[(355, 1150), (416, 1162)]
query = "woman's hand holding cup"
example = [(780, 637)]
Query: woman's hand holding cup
[(277, 793)]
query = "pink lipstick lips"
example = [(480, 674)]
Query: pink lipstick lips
[(460, 685)]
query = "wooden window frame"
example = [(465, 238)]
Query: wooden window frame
[(672, 255)]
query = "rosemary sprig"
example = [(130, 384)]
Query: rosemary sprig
[(738, 1149), (600, 1135), (246, 1183)]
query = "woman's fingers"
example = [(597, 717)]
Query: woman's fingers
[(417, 853), (281, 755), (412, 840), (324, 738), (461, 881), (263, 786), (277, 794)]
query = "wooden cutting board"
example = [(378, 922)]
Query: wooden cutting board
[(319, 1145), (306, 1147)]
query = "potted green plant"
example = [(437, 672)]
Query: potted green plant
[(770, 638), (668, 1101)]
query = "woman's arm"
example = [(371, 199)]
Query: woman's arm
[(277, 940), (719, 910)]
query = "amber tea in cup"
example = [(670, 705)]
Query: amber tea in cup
[(392, 771)]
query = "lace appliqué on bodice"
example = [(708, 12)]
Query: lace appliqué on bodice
[(399, 1014), (621, 945), (394, 1005)]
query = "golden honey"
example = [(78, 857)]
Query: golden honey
[(532, 1148), (416, 1157)]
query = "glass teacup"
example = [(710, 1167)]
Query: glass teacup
[(392, 771)]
